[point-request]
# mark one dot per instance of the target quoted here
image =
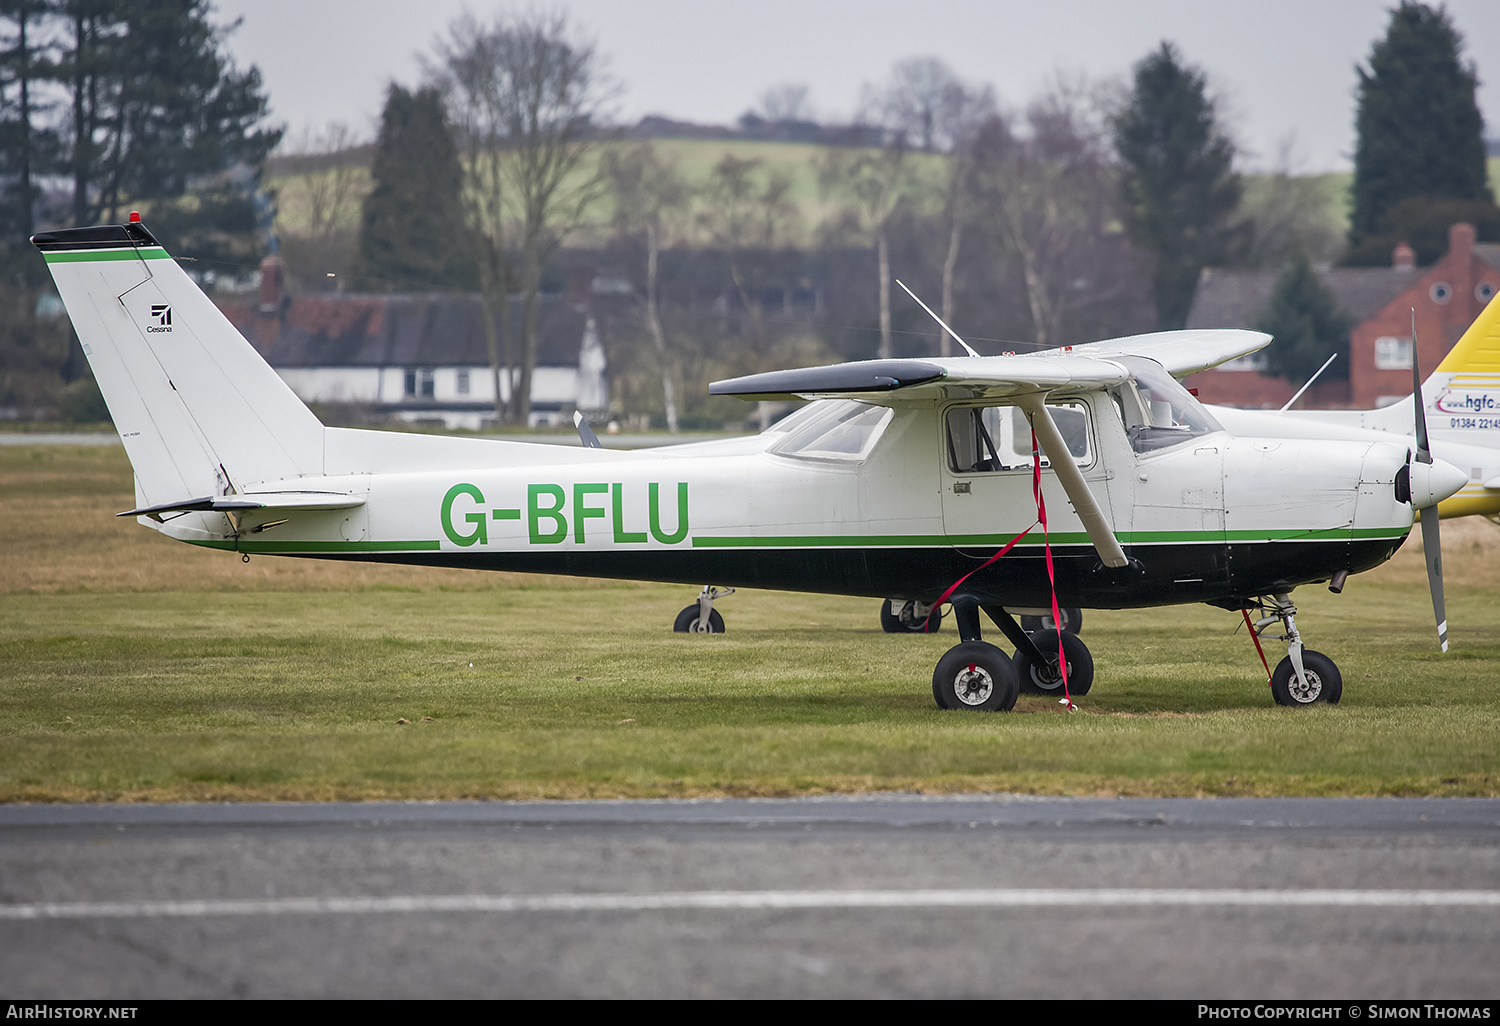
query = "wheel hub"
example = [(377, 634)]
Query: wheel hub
[(974, 685), (1308, 693)]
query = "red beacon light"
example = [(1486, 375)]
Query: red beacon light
[(135, 217)]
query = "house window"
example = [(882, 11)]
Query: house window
[(1392, 353), (419, 383), (463, 382)]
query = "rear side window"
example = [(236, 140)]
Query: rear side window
[(991, 438)]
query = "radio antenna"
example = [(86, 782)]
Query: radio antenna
[(967, 348)]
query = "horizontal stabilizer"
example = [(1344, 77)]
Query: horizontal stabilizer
[(252, 500)]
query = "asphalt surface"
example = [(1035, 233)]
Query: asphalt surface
[(882, 896)]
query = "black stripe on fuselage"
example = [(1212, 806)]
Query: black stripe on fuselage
[(1163, 575)]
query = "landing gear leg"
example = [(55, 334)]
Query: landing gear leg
[(974, 674), (1304, 677), (701, 617)]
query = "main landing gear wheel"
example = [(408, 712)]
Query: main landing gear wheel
[(1072, 623), (1044, 679), (1324, 682), (690, 621), (907, 621), (977, 676)]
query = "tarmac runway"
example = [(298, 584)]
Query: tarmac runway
[(871, 896)]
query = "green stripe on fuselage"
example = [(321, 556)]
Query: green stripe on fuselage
[(79, 255), (1056, 538), (310, 547)]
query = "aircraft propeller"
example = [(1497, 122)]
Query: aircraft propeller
[(1426, 482)]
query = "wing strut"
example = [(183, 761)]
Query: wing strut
[(1071, 478)]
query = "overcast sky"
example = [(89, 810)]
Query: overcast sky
[(1284, 69)]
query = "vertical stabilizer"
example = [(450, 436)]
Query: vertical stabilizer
[(198, 409)]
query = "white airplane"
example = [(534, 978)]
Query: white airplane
[(914, 482), (1461, 399)]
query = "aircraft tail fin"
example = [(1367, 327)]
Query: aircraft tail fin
[(198, 409), (1478, 350)]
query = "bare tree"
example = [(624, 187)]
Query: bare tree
[(744, 210), (786, 102), (647, 192), (1049, 194), (916, 101), (1290, 213), (326, 177), (533, 93), (874, 183)]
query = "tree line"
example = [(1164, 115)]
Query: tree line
[(1088, 211), (108, 106)]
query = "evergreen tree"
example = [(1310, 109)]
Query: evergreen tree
[(1305, 318), (1178, 184), (1420, 131), (155, 112), (412, 232)]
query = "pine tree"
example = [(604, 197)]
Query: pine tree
[(1420, 130), (1308, 325), (412, 232), (1178, 183)]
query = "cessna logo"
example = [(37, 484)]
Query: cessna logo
[(161, 313)]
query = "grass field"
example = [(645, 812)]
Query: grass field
[(135, 668)]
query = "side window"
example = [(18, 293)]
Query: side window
[(992, 438)]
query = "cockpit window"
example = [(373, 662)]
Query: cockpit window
[(1156, 410), (801, 415), (986, 438), (847, 430)]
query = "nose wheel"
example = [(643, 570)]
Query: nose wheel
[(1304, 677)]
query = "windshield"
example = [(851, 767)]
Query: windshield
[(1157, 411), (846, 430)]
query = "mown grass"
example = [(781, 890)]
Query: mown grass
[(134, 668)]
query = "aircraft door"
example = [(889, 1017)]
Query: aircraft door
[(987, 474)]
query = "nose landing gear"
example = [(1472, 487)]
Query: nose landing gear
[(1304, 677)]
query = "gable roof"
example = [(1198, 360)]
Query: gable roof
[(407, 330), (1235, 299)]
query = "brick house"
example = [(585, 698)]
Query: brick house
[(1446, 297)]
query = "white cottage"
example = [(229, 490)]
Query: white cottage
[(421, 358)]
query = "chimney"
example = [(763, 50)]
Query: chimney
[(1461, 244), (580, 286), (1403, 258), (272, 280)]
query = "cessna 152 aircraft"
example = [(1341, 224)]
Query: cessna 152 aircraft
[(911, 484)]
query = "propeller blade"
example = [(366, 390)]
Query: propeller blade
[(1432, 542), (1432, 555), (1424, 451)]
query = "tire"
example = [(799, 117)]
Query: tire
[(1045, 680), (975, 676), (1072, 621), (687, 621), (893, 624), (1323, 677)]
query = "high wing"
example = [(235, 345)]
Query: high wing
[(1026, 377), (1079, 368)]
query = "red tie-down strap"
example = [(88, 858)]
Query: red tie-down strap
[(1041, 518)]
